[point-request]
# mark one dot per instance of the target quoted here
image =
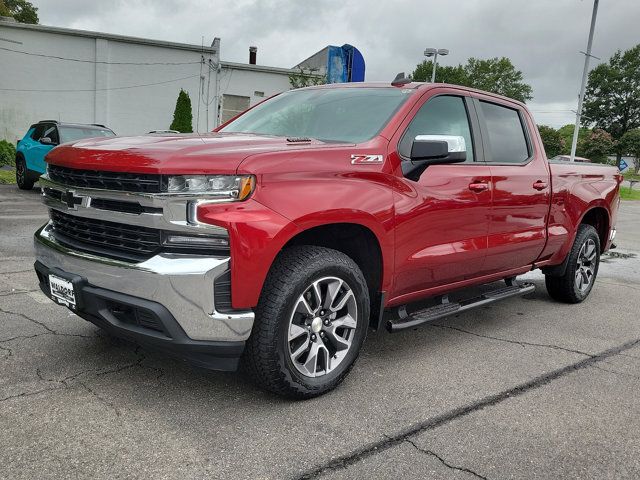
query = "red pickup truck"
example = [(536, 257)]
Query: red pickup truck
[(278, 240)]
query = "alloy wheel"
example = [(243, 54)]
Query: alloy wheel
[(322, 326), (586, 264)]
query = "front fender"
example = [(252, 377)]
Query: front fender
[(256, 236), (311, 200), (284, 206)]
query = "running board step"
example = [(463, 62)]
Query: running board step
[(446, 308)]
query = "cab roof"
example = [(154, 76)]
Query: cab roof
[(424, 86)]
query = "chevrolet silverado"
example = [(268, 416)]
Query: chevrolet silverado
[(276, 241)]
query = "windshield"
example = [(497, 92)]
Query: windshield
[(351, 115), (70, 134)]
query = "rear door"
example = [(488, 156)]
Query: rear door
[(521, 186), (442, 218)]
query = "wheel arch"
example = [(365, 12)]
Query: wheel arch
[(359, 243), (598, 217)]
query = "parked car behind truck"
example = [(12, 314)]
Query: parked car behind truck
[(277, 241), (40, 139)]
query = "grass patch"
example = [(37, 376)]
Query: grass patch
[(7, 176), (627, 194)]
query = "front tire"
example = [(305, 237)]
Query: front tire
[(582, 268), (23, 179), (311, 322)]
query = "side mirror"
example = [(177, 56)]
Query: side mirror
[(46, 141), (433, 150)]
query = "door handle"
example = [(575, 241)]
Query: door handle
[(478, 186), (540, 185)]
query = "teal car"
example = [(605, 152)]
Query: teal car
[(41, 138)]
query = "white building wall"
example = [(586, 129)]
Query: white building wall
[(115, 85), (27, 81)]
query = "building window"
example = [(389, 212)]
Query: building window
[(233, 105)]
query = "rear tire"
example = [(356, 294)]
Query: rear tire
[(311, 321), (582, 268), (23, 178)]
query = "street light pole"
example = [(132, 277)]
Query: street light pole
[(587, 57), (434, 52), (435, 65)]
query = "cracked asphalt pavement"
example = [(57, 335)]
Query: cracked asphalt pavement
[(524, 388)]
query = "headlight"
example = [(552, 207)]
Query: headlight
[(224, 187)]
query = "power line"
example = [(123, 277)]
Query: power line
[(95, 61), (97, 89)]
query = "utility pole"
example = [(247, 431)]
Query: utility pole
[(208, 85), (587, 57)]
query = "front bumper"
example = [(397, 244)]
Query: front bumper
[(182, 285)]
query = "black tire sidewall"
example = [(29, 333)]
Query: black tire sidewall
[(27, 182), (20, 166), (587, 232), (356, 282)]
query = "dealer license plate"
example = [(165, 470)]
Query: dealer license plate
[(62, 291)]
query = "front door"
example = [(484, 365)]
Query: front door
[(442, 218), (37, 150)]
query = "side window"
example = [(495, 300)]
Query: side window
[(507, 140), (443, 115), (52, 133), (38, 131)]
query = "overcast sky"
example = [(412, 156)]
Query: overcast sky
[(542, 37)]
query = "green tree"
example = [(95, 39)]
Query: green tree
[(612, 98), (182, 116), (630, 145), (566, 132), (552, 140), (305, 78), (455, 75), (22, 10), (597, 146), (497, 75)]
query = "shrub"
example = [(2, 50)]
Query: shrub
[(7, 153)]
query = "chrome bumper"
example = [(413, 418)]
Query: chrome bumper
[(183, 284)]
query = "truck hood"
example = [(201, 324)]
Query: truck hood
[(171, 154)]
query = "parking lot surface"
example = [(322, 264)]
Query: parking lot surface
[(525, 388)]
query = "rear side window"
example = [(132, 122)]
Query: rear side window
[(52, 133), (442, 115), (38, 131), (507, 140)]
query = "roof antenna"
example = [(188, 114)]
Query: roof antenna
[(400, 80)]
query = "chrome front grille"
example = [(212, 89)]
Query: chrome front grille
[(118, 181), (128, 226)]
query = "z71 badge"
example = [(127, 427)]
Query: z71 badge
[(365, 159)]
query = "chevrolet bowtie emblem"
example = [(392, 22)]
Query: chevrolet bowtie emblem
[(71, 199)]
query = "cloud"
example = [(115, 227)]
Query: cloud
[(543, 37)]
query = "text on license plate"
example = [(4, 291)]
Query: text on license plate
[(62, 290)]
